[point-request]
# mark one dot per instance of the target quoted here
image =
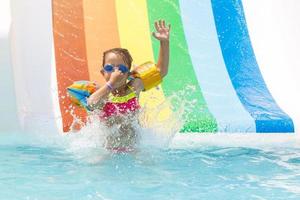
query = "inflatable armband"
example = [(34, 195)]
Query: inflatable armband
[(79, 91), (149, 75)]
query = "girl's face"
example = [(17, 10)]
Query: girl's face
[(114, 60)]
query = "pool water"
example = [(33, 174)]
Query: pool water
[(35, 168)]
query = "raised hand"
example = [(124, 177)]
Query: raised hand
[(162, 32)]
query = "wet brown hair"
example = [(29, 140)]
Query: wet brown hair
[(124, 53)]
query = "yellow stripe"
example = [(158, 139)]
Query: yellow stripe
[(135, 35)]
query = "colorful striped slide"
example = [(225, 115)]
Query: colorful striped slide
[(213, 61)]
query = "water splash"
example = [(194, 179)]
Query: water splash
[(151, 130)]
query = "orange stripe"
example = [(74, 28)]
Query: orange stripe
[(101, 33), (70, 53)]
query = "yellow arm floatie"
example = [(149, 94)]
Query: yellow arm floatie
[(149, 75)]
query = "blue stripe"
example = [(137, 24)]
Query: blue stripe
[(243, 69), (208, 63)]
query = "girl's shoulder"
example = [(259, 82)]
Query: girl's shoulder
[(136, 85)]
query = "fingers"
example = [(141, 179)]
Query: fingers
[(161, 24), (116, 73), (156, 25), (119, 72), (154, 35)]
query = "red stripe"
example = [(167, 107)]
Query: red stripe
[(70, 53)]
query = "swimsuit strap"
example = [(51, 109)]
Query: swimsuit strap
[(122, 99)]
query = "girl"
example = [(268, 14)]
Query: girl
[(118, 98)]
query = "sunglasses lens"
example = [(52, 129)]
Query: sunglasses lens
[(108, 68), (123, 68)]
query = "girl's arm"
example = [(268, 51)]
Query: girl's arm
[(97, 99), (162, 34), (163, 58)]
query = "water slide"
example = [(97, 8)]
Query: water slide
[(235, 60)]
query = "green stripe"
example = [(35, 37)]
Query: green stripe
[(181, 72)]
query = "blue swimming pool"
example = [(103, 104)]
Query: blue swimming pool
[(35, 168)]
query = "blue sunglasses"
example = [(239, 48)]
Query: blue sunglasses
[(110, 68)]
